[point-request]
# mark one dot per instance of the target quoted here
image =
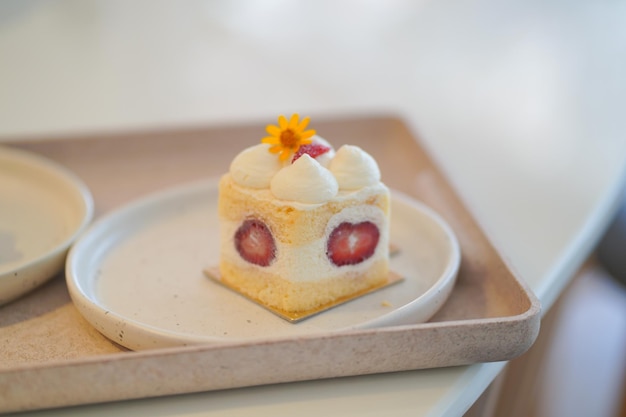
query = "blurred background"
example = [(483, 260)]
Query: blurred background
[(534, 90)]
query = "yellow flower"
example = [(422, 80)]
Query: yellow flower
[(287, 137)]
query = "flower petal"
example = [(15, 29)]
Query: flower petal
[(293, 122), (282, 122), (307, 134), (271, 140), (273, 130), (276, 149), (284, 155), (303, 124)]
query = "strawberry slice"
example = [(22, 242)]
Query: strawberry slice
[(350, 244), (255, 242), (313, 149)]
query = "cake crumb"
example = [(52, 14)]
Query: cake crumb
[(385, 303)]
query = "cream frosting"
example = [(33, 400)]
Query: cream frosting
[(305, 181), (308, 180), (255, 167), (354, 168)]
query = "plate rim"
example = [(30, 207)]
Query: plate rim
[(92, 310), (31, 161)]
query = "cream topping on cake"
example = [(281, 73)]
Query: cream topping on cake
[(304, 181), (354, 168), (307, 180), (254, 167)]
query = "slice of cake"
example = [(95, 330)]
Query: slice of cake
[(302, 226)]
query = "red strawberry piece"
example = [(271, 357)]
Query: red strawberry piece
[(350, 244), (313, 149), (255, 242)]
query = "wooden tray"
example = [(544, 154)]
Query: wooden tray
[(50, 356)]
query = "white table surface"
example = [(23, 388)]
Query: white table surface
[(521, 102)]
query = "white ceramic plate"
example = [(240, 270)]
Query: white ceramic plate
[(136, 276), (43, 208)]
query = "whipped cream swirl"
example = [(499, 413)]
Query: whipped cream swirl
[(305, 181), (354, 168), (255, 167)]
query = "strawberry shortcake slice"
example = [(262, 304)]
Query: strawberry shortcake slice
[(303, 226)]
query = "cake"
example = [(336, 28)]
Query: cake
[(302, 226)]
